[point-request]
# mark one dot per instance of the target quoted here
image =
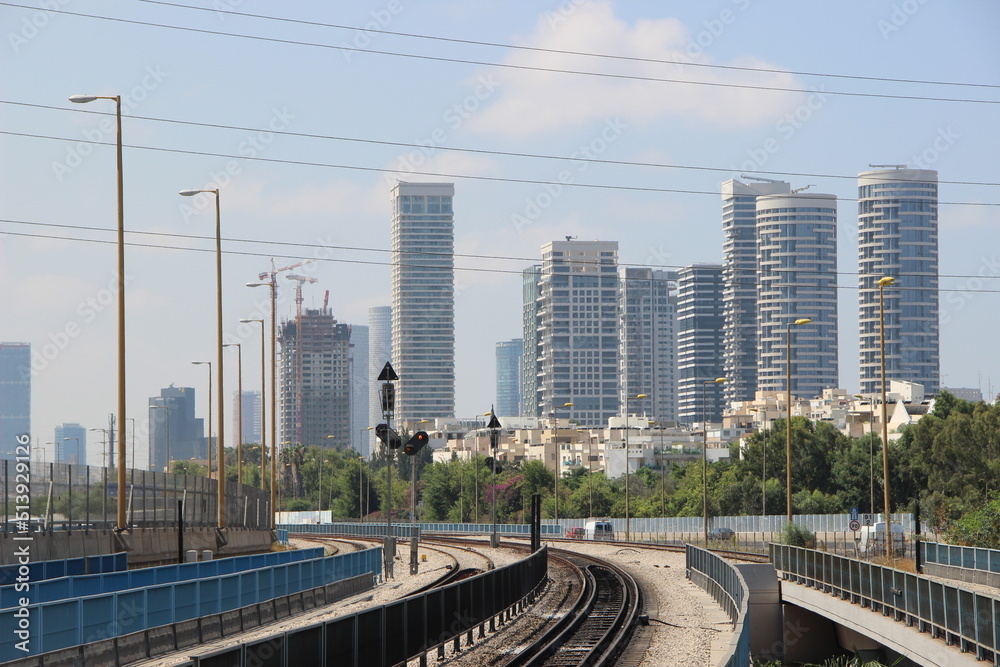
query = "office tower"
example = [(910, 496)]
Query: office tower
[(379, 352), (898, 237), (699, 343), (314, 386), (647, 342), (423, 299), (359, 387), (175, 434), (71, 444), (246, 408), (797, 278), (510, 357), (739, 278), (577, 313), (15, 396), (530, 282)]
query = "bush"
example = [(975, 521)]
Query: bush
[(797, 536)]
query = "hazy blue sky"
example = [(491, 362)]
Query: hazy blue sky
[(329, 198)]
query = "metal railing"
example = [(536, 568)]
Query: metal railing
[(69, 497), (959, 617), (726, 586)]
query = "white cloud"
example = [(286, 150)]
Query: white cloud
[(532, 102)]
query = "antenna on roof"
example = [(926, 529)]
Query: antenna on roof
[(760, 178), (887, 166), (570, 238)]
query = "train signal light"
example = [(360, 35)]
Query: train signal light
[(388, 396), (388, 436), (493, 464), (416, 443)]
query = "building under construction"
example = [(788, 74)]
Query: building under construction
[(315, 379)]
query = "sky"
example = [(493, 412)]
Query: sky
[(304, 114)]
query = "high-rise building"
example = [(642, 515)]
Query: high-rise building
[(530, 282), (359, 387), (379, 352), (315, 384), (175, 434), (510, 397), (423, 299), (739, 278), (71, 444), (647, 342), (699, 343), (247, 408), (577, 314), (898, 237), (797, 279), (15, 396)]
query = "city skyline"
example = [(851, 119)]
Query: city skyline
[(263, 149)]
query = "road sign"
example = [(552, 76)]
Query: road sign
[(855, 525), (867, 519), (854, 514)]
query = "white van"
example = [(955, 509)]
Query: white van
[(871, 539), (598, 530)]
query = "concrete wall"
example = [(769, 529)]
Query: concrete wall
[(145, 546)]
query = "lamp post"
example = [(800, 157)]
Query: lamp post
[(788, 413), (75, 459), (555, 439), (704, 452), (627, 514), (239, 410), (209, 438), (83, 99), (219, 345), (166, 464), (274, 387), (263, 412), (882, 284)]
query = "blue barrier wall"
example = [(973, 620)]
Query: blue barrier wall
[(970, 558), (64, 588), (56, 625), (51, 569)]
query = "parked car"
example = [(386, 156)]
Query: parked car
[(599, 530), (721, 534), (575, 533)]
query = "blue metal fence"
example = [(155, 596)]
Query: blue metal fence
[(68, 567), (406, 529), (56, 625), (65, 588), (970, 558)]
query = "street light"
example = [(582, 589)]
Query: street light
[(75, 459), (239, 410), (882, 284), (166, 465), (263, 412), (627, 515), (871, 453), (704, 451), (788, 412), (219, 345), (274, 387), (555, 439), (209, 440), (84, 99)]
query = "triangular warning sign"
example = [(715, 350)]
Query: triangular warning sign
[(387, 374)]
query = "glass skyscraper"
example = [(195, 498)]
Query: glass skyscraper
[(71, 444), (379, 352), (797, 278), (423, 299), (15, 395), (699, 343), (898, 237), (739, 276), (510, 357)]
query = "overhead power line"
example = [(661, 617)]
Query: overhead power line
[(588, 54), (529, 68), (435, 174), (475, 151)]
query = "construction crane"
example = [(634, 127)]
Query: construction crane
[(270, 275), (299, 392)]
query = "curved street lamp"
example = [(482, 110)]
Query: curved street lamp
[(788, 412), (704, 452)]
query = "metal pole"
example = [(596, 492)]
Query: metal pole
[(885, 424), (121, 320), (274, 409), (788, 422), (219, 345), (704, 459)]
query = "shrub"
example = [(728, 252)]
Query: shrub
[(797, 536)]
